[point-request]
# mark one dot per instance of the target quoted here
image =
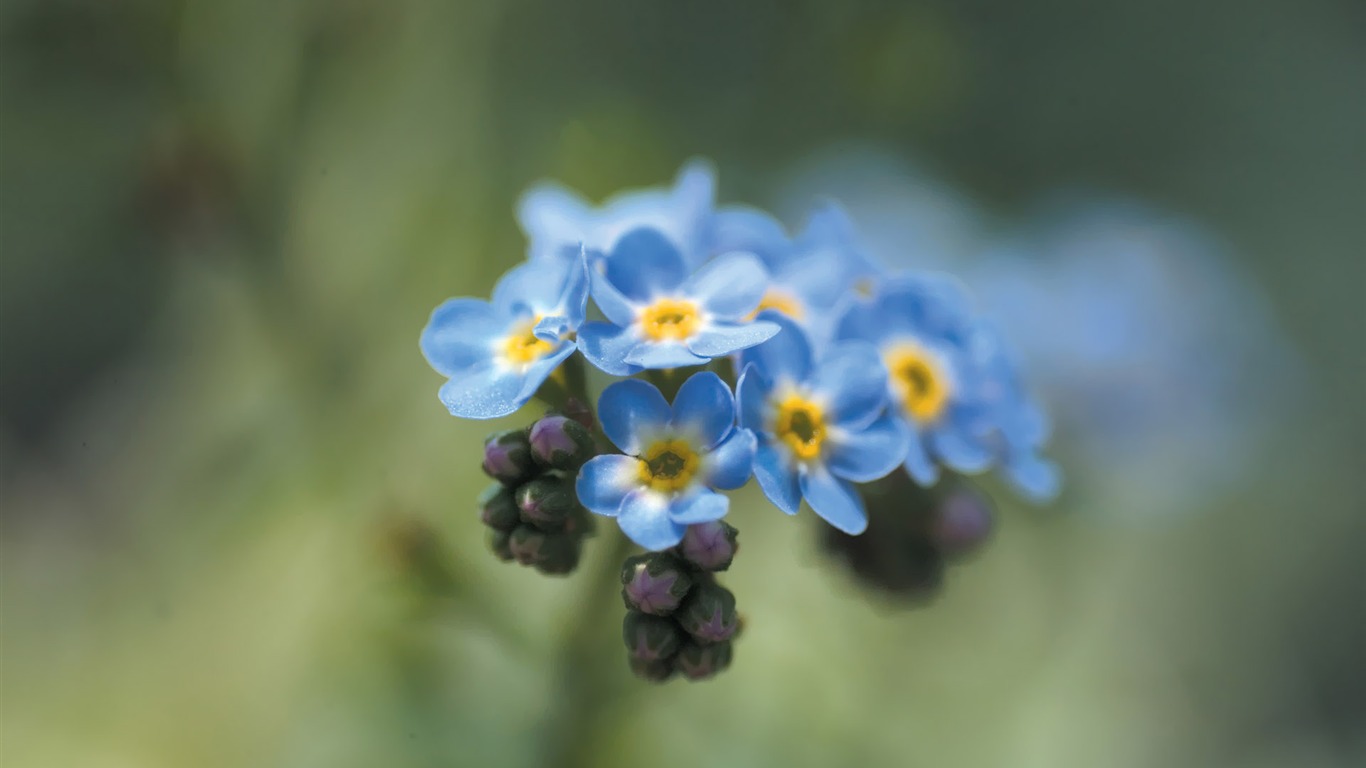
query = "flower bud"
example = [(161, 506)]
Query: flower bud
[(547, 502), (500, 542), (961, 521), (498, 509), (525, 542), (656, 671), (559, 554), (507, 457), (710, 546), (650, 638), (654, 583), (708, 613), (580, 522), (699, 661), (560, 442)]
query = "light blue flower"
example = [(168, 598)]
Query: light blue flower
[(661, 317), (497, 353), (822, 424), (553, 216), (922, 327), (675, 456)]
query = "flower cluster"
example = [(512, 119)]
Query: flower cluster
[(812, 370)]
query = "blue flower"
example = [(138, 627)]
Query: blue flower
[(496, 354), (922, 327), (553, 216), (675, 457), (822, 424), (660, 317)]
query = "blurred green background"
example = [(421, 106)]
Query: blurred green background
[(223, 225)]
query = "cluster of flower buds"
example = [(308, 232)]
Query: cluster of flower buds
[(532, 512), (678, 619), (913, 534)]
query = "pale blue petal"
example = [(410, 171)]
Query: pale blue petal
[(751, 396), (629, 410), (648, 354), (732, 462), (870, 453), (740, 228), (531, 288), (551, 215), (723, 338), (835, 500), (784, 357), (704, 406), (459, 334), (777, 477), (604, 482), (729, 286), (700, 506), (616, 307), (552, 328), (606, 346), (865, 321), (644, 264), (959, 451), (919, 465), (1035, 477), (854, 382), (487, 392), (644, 518), (535, 374), (573, 301)]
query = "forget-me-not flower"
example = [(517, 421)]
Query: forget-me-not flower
[(675, 456), (821, 423), (660, 316), (497, 353)]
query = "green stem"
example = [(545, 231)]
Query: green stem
[(587, 672)]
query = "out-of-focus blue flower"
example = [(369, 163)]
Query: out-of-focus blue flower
[(922, 327), (497, 353), (663, 317), (675, 456), (811, 275), (822, 424), (553, 216)]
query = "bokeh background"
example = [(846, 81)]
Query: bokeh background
[(238, 527)]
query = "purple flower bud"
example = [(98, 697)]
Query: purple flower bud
[(961, 521), (656, 671), (547, 502), (561, 443), (507, 457), (650, 638), (710, 546), (498, 508), (654, 583), (708, 613), (500, 542), (699, 661)]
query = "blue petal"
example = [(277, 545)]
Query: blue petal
[(751, 396), (786, 357), (630, 411), (723, 338), (705, 406), (960, 452), (552, 328), (919, 465), (487, 392), (531, 288), (730, 286), (1035, 477), (777, 477), (551, 215), (606, 346), (701, 506), (865, 321), (458, 335), (644, 264), (871, 453), (852, 378), (604, 482), (614, 306), (834, 499), (644, 518), (729, 466), (647, 354), (573, 301), (535, 374), (739, 228)]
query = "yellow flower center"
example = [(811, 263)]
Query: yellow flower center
[(919, 381), (670, 319), (668, 465), (781, 301), (800, 424), (522, 345)]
